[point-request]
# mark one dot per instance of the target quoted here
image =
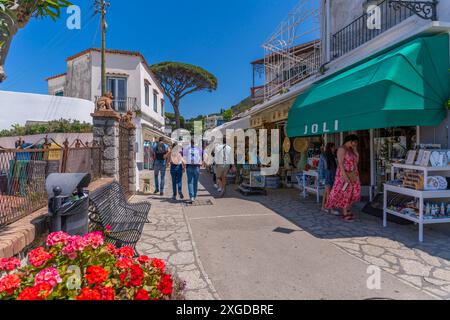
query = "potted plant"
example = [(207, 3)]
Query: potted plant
[(86, 268)]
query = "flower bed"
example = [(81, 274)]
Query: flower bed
[(86, 268)]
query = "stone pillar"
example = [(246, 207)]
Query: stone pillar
[(106, 135), (132, 159)]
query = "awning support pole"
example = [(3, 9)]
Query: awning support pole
[(372, 166)]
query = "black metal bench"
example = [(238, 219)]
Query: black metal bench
[(110, 210)]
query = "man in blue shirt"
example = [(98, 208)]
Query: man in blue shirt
[(161, 151), (194, 157)]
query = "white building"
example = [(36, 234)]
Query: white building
[(30, 107), (213, 121), (131, 82)]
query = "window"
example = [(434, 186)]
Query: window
[(59, 93), (147, 93), (155, 101), (118, 87), (162, 107)]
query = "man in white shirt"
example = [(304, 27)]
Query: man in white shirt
[(224, 160), (195, 159)]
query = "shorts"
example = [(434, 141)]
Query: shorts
[(329, 178), (222, 170)]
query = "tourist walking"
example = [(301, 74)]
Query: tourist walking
[(347, 187), (327, 172), (161, 152), (194, 157), (177, 167), (223, 161)]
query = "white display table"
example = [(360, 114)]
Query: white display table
[(444, 171), (317, 189), (418, 194)]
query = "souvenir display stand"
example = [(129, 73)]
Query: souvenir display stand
[(420, 213), (310, 184), (253, 184)]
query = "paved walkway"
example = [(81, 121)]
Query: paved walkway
[(394, 249), (281, 247), (168, 237)]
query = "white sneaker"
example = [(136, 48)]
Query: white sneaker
[(216, 186), (219, 190)]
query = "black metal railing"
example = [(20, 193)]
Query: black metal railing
[(124, 105), (362, 30), (23, 174)]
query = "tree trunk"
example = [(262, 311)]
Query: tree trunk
[(176, 109), (13, 27)]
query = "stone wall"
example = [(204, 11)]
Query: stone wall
[(106, 134)]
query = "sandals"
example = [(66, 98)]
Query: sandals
[(348, 218)]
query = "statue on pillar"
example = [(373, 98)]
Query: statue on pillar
[(105, 103)]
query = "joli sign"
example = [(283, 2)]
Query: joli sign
[(321, 128)]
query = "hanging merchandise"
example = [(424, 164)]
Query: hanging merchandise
[(300, 145), (287, 145)]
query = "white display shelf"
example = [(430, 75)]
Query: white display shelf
[(426, 170), (417, 220), (418, 194), (317, 189)]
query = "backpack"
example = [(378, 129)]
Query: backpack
[(160, 151)]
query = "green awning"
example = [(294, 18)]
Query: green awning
[(406, 86)]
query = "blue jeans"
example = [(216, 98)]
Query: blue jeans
[(193, 172), (176, 171), (160, 168)]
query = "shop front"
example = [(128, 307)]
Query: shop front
[(150, 138), (392, 101), (276, 118)]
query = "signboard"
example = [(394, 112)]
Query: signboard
[(257, 180), (55, 152)]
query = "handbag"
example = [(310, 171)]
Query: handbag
[(352, 175)]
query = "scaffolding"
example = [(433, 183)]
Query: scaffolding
[(293, 52)]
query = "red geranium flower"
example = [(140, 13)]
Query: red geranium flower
[(132, 277), (142, 295), (143, 260), (9, 264), (137, 276), (111, 249), (38, 257), (88, 294), (96, 275), (126, 251), (165, 286), (9, 283), (106, 293), (38, 292), (124, 263), (159, 264), (57, 238)]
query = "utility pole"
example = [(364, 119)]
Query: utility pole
[(100, 7)]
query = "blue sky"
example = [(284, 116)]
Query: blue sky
[(220, 36)]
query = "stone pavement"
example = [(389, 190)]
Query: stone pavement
[(168, 237), (394, 249), (238, 233)]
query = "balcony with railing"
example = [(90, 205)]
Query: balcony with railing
[(389, 14), (124, 105)]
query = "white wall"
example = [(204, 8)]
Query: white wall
[(17, 108), (120, 64), (145, 75)]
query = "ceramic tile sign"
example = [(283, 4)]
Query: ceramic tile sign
[(419, 157), (426, 158), (411, 157)]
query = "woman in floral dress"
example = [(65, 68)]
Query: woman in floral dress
[(347, 186)]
